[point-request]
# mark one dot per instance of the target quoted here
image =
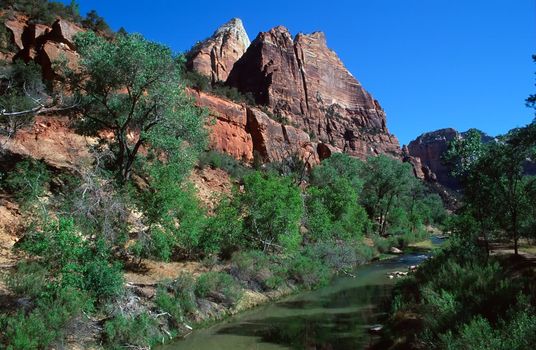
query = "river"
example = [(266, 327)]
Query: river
[(334, 317)]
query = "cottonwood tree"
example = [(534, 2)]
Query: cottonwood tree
[(465, 155), (495, 186), (386, 182), (133, 88)]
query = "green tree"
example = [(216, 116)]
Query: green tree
[(465, 156), (95, 22), (386, 181), (133, 87), (332, 202), (274, 209), (503, 164), (494, 183)]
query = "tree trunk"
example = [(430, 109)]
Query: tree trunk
[(516, 238), (486, 241)]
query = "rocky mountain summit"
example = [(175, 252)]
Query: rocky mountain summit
[(304, 82), (307, 101), (215, 56)]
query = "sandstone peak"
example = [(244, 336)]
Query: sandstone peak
[(319, 36), (236, 28), (431, 146), (305, 82), (215, 56)]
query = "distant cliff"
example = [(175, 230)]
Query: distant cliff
[(430, 148)]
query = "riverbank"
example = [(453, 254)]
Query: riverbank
[(336, 316), (463, 298), (292, 294)]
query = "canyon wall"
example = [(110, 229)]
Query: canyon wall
[(307, 103), (304, 82)]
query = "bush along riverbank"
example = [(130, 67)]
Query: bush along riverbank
[(464, 299), (73, 286), (478, 293)]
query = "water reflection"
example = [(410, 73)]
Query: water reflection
[(334, 317)]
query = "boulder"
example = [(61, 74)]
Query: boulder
[(64, 32), (395, 250), (43, 44), (16, 27)]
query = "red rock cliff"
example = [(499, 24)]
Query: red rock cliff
[(241, 131), (41, 43), (304, 81)]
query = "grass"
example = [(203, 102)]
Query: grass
[(426, 244), (526, 248)]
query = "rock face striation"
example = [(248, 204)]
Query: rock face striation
[(215, 56), (245, 131), (301, 80)]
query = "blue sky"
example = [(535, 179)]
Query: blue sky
[(431, 63)]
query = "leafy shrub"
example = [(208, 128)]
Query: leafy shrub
[(203, 83), (45, 11), (232, 93), (479, 334), (6, 44), (257, 270), (465, 300), (197, 81), (159, 245), (134, 331), (382, 244), (364, 252), (102, 279), (167, 303), (219, 286), (336, 256), (224, 231), (45, 323), (273, 211), (308, 272), (97, 204), (28, 181), (29, 279), (223, 161), (175, 215), (275, 116), (177, 297), (74, 262)]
